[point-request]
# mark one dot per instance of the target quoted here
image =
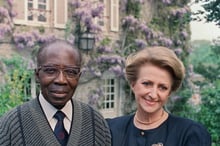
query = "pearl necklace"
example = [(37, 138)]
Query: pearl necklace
[(148, 123)]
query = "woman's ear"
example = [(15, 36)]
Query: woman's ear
[(132, 85), (171, 93)]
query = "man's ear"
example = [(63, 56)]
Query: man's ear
[(36, 72), (79, 75)]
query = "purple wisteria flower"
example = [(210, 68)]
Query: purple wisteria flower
[(97, 73), (95, 96), (98, 11), (117, 70), (93, 99), (148, 33), (10, 2), (71, 39), (20, 46), (104, 49), (140, 43), (13, 13), (75, 3), (130, 21), (178, 42), (154, 43), (4, 29), (165, 41), (46, 38), (3, 12), (87, 21), (184, 34), (79, 13), (95, 28), (92, 69), (22, 39), (180, 12), (112, 59), (29, 39), (143, 27), (84, 14), (166, 1), (178, 51)]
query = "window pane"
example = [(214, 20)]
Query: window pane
[(37, 10), (30, 17), (112, 104), (42, 1), (108, 82), (112, 81), (112, 97), (108, 90), (42, 18), (107, 98), (42, 7), (109, 93), (112, 89), (30, 5)]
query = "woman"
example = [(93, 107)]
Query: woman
[(154, 74)]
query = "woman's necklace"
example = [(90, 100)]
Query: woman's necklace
[(148, 123)]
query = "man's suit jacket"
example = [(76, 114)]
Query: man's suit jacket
[(27, 125)]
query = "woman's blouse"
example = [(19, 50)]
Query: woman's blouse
[(175, 131)]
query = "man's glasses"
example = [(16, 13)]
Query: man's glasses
[(53, 71)]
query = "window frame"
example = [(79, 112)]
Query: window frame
[(21, 6), (114, 15), (35, 21), (108, 102)]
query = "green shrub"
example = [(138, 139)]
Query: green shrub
[(209, 114), (205, 59), (16, 79)]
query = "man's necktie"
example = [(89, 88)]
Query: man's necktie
[(59, 130)]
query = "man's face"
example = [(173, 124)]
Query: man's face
[(58, 74)]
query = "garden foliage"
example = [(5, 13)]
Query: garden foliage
[(17, 79)]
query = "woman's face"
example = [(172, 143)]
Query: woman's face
[(152, 88)]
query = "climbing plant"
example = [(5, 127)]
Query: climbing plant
[(168, 27)]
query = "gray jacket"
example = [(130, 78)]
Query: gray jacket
[(26, 125)]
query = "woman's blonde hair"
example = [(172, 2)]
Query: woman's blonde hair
[(160, 56)]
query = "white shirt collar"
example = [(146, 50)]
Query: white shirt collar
[(50, 110)]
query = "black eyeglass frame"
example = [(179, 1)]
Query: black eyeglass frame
[(58, 68)]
